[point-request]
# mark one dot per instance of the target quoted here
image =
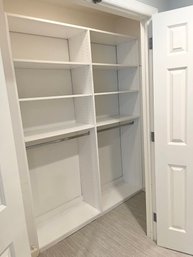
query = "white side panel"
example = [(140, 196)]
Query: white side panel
[(105, 80), (110, 156), (13, 235), (88, 161), (129, 79), (103, 53), (79, 48), (131, 154), (107, 105), (81, 80), (127, 53), (84, 110)]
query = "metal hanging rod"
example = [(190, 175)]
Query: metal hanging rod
[(117, 126), (57, 141)]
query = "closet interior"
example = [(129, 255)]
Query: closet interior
[(79, 96)]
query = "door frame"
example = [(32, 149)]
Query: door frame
[(147, 129), (143, 13)]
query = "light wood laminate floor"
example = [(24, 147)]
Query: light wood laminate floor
[(119, 233)]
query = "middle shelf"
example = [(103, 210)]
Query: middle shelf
[(104, 121), (49, 118)]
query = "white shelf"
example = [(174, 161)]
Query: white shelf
[(103, 121), (61, 225), (36, 26), (43, 27), (109, 38), (117, 193), (41, 64), (109, 66), (116, 92), (44, 132), (52, 97)]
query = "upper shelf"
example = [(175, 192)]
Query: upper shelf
[(35, 26), (109, 38), (39, 64), (43, 27)]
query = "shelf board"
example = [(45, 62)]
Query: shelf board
[(61, 225), (117, 193), (38, 133), (117, 92), (103, 121), (111, 66), (42, 64), (52, 97), (109, 38), (42, 27)]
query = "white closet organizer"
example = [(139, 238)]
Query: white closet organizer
[(79, 95)]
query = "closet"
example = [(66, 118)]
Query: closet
[(79, 93)]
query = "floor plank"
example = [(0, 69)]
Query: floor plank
[(119, 233)]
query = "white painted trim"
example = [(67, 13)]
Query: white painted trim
[(146, 127), (130, 9)]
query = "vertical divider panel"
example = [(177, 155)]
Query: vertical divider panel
[(128, 52), (79, 48), (91, 188), (94, 138), (131, 154)]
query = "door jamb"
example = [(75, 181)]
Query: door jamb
[(146, 125)]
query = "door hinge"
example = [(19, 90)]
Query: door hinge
[(150, 43), (155, 217), (152, 136)]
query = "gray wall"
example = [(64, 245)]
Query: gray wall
[(164, 5), (161, 5), (173, 4)]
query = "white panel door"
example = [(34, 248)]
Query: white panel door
[(13, 233), (173, 88)]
